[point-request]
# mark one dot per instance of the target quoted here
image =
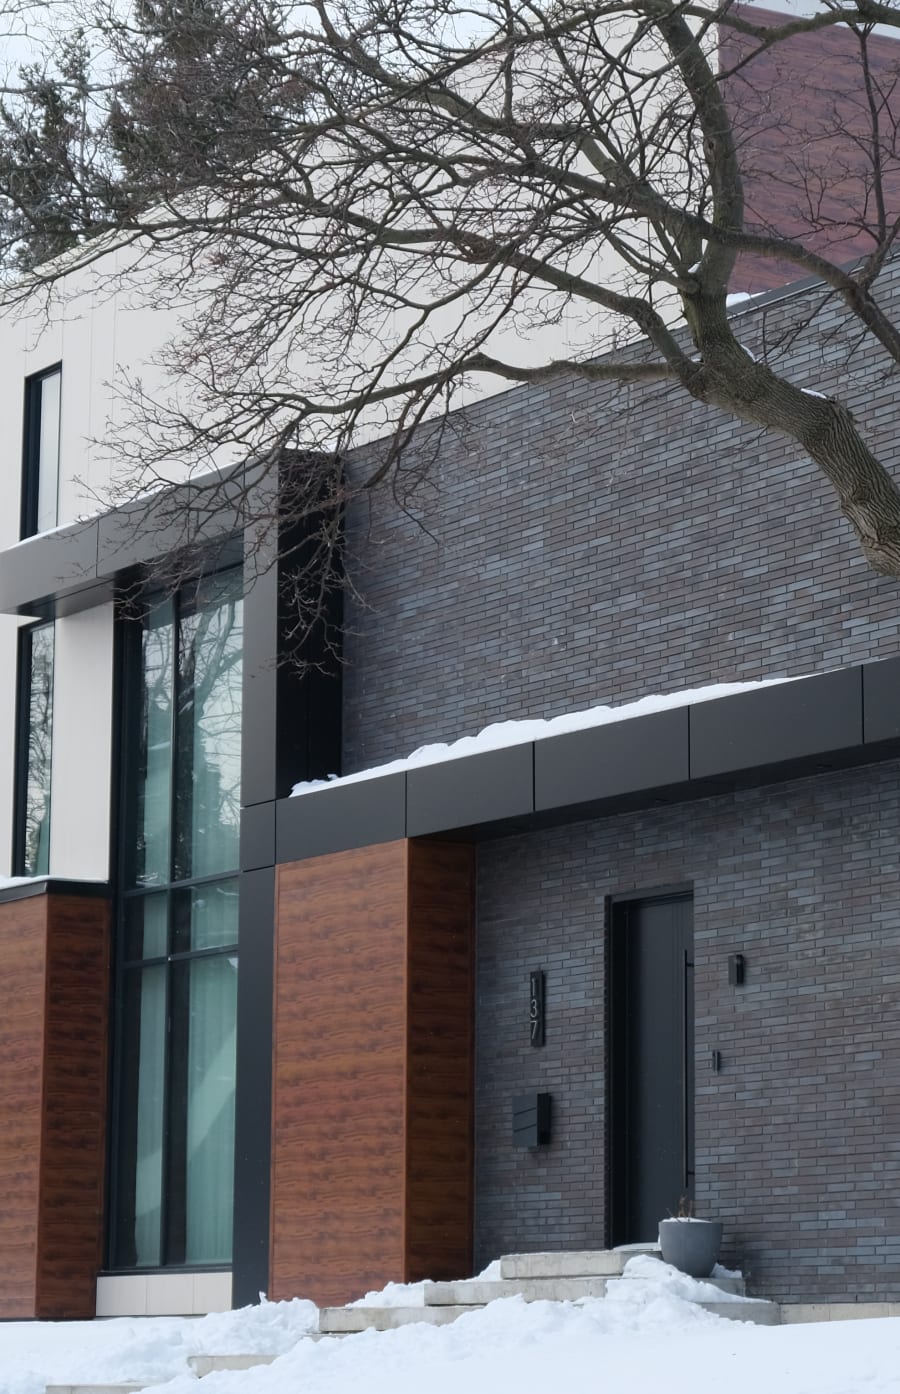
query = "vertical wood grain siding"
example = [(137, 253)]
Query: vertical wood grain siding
[(54, 986), (440, 1088), (23, 928), (372, 1079)]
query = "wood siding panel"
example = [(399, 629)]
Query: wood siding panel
[(54, 990), (440, 1104), (70, 1245), (339, 1074), (23, 925)]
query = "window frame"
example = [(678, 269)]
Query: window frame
[(22, 769), (31, 451), (174, 961)]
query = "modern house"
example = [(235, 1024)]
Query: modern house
[(524, 998)]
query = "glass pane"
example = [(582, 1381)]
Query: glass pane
[(140, 1173), (208, 765), (200, 1201), (205, 917), (154, 795), (48, 454), (39, 656), (146, 926)]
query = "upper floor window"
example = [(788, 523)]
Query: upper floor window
[(34, 749), (40, 467)]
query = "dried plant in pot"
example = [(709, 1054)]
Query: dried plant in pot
[(689, 1244)]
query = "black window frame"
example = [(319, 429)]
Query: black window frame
[(31, 449), (128, 889), (24, 678)]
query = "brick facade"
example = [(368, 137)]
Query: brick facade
[(803, 129), (798, 1135), (576, 545)]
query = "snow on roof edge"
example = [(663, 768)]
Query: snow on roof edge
[(506, 733)]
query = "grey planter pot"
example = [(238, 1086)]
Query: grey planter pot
[(691, 1245)]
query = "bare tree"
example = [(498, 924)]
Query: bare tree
[(414, 198)]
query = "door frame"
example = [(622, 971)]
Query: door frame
[(615, 1100)]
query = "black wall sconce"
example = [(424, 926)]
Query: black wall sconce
[(737, 968)]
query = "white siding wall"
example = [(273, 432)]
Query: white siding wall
[(82, 746), (97, 334)]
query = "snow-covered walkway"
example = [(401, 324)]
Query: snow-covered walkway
[(644, 1337)]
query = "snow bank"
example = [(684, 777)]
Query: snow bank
[(505, 733), (394, 1295), (649, 1279), (149, 1349), (644, 1336)]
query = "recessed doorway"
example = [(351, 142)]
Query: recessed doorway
[(651, 1055)]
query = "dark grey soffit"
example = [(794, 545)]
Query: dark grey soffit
[(73, 568), (814, 725)]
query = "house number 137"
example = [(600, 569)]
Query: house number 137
[(536, 1008)]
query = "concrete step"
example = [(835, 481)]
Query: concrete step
[(342, 1321), (477, 1292), (736, 1286), (95, 1388), (751, 1309), (584, 1263), (203, 1365)]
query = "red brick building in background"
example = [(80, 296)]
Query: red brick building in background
[(804, 113)]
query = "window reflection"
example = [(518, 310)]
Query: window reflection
[(178, 934)]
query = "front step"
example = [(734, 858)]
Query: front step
[(342, 1321), (477, 1292), (576, 1263), (752, 1309), (203, 1365), (554, 1277), (96, 1388)]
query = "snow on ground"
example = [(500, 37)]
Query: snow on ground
[(645, 1337), (35, 1353), (504, 733)]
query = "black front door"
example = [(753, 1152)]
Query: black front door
[(651, 1064)]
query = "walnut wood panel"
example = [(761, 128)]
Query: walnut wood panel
[(372, 1070), (339, 1073), (439, 1131), (23, 929), (54, 986), (70, 1232)]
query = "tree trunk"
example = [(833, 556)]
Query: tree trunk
[(869, 496)]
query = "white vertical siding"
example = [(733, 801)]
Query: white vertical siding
[(82, 746)]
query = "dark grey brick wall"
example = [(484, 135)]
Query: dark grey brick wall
[(581, 545), (798, 1136)]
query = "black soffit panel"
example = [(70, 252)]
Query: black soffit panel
[(75, 567), (339, 818), (645, 752), (766, 735), (474, 789), (785, 722), (881, 700)]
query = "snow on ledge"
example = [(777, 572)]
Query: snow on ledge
[(506, 733)]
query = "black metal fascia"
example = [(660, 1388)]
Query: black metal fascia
[(765, 735)]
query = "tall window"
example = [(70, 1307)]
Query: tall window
[(34, 751), (177, 972), (40, 465)]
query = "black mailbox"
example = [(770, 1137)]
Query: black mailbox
[(531, 1120)]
